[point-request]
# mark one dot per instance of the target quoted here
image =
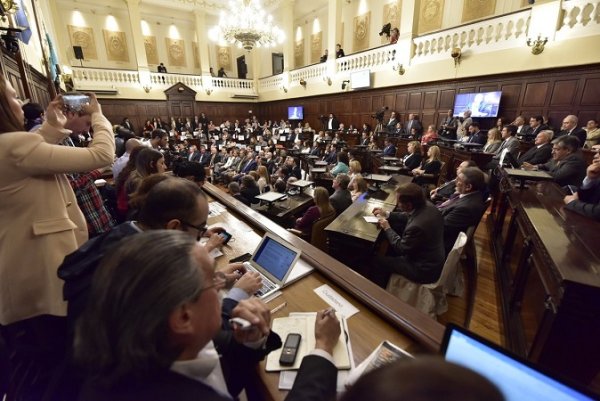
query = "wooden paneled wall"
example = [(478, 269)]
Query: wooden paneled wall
[(554, 93), (38, 82)]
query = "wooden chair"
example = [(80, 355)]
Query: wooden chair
[(318, 236), (431, 298)]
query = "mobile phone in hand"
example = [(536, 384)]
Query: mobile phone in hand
[(572, 189), (74, 101), (226, 236), (242, 258)]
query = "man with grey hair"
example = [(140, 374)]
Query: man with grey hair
[(154, 331), (341, 198), (569, 127), (566, 167), (464, 125), (541, 152)]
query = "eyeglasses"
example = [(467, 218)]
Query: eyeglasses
[(200, 229)]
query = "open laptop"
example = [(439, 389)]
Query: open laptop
[(274, 260), (517, 379)]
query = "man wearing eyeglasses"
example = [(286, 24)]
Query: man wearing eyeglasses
[(586, 200), (566, 166)]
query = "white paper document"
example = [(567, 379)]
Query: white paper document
[(371, 219), (336, 301)]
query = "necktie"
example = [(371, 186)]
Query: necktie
[(453, 198)]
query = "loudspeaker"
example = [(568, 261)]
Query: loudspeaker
[(78, 52)]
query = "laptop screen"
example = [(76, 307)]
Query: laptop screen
[(516, 380), (274, 257)]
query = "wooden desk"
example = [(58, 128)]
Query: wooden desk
[(294, 205), (381, 316), (548, 269)]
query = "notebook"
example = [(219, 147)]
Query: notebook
[(274, 260)]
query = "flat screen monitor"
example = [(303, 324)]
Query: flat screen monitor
[(484, 104), (360, 79), (517, 379), (295, 112)]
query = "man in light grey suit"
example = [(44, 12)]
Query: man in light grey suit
[(509, 142)]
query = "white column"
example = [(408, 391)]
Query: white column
[(135, 19), (287, 24), (202, 35), (334, 16), (408, 30)]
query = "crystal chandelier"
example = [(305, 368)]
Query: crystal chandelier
[(244, 24)]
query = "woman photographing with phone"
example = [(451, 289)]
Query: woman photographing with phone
[(40, 224)]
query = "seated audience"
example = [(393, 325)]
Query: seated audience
[(264, 181), (360, 187), (413, 158), (509, 142), (586, 200), (234, 190), (322, 208), (430, 168), (341, 197), (465, 207), (566, 167), (144, 340), (425, 378), (429, 136), (148, 162), (494, 139), (541, 152), (416, 236), (388, 148), (249, 190), (592, 134), (445, 191), (342, 165), (120, 184), (569, 128)]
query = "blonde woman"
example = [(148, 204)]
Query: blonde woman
[(263, 179), (322, 208), (355, 170), (360, 187), (493, 142), (413, 158), (430, 167)]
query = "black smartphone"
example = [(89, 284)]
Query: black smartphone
[(242, 258), (226, 236), (74, 101), (290, 349)]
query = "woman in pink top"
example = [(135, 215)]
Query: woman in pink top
[(430, 136)]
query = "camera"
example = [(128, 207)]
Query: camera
[(386, 30)]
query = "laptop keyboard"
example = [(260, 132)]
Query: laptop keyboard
[(268, 285)]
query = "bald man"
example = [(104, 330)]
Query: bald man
[(569, 127), (121, 162)]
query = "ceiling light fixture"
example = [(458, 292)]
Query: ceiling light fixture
[(246, 25)]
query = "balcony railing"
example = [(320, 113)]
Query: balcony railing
[(580, 18), (485, 36), (374, 59)]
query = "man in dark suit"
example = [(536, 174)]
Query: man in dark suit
[(341, 198), (204, 158), (389, 148), (566, 167), (391, 124), (413, 122), (541, 152), (586, 200), (194, 154), (445, 191), (183, 362), (509, 142), (330, 154), (536, 125), (364, 141), (475, 134), (417, 239), (332, 123), (464, 208), (569, 127), (522, 128)]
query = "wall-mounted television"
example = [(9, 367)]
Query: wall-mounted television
[(484, 104), (360, 79), (295, 112)]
